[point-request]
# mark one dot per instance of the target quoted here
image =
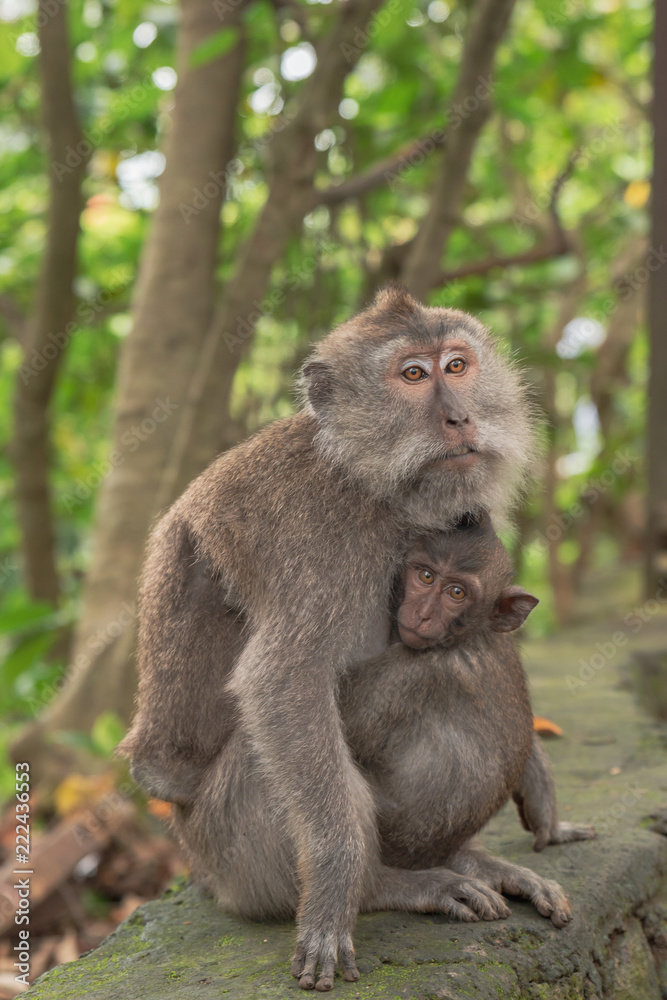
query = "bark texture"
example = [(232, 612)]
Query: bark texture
[(48, 330)]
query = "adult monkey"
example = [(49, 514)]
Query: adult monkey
[(272, 574)]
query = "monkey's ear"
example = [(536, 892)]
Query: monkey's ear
[(513, 607), (320, 383)]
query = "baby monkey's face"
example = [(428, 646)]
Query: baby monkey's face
[(458, 587)]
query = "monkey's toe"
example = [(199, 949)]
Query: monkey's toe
[(567, 832), (320, 952), (459, 911), (551, 901), (484, 901)]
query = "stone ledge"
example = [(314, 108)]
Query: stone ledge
[(181, 946), (609, 769)]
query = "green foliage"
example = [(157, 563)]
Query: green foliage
[(106, 733), (570, 93), (214, 46), (28, 632)]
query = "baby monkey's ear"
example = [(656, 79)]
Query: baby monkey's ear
[(512, 608)]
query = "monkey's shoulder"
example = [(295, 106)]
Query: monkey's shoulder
[(276, 473)]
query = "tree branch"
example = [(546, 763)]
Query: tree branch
[(469, 110), (554, 248), (558, 244), (377, 174)]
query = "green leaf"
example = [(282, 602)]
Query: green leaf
[(107, 732), (216, 45), (25, 655), (18, 619), (76, 740)]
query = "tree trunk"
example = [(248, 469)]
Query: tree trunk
[(656, 541), (470, 107), (50, 327), (174, 303), (291, 196)]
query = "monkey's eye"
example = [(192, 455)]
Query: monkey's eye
[(425, 576), (413, 373), (456, 366), (456, 592)]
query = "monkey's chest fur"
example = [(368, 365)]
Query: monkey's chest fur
[(443, 737)]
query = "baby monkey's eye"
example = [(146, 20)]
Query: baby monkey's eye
[(456, 366), (413, 373), (426, 576), (456, 592)]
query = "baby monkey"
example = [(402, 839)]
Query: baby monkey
[(442, 722)]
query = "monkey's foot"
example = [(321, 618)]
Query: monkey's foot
[(436, 890), (546, 896), (321, 948), (472, 900), (563, 833)]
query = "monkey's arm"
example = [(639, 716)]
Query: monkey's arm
[(285, 686), (535, 797)]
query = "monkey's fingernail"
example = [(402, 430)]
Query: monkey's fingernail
[(351, 975), (324, 985), (307, 982)]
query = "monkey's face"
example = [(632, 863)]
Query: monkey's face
[(436, 388), (437, 601), (456, 585), (417, 404)]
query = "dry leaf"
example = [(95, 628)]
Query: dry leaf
[(80, 791), (157, 807), (545, 727)]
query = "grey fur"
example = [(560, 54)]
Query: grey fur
[(264, 583)]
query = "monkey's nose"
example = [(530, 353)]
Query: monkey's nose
[(457, 420)]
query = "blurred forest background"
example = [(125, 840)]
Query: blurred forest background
[(190, 196)]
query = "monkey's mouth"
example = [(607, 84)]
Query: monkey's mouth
[(418, 640), (462, 454)]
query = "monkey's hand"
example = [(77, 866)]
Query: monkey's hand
[(321, 948), (562, 833)]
